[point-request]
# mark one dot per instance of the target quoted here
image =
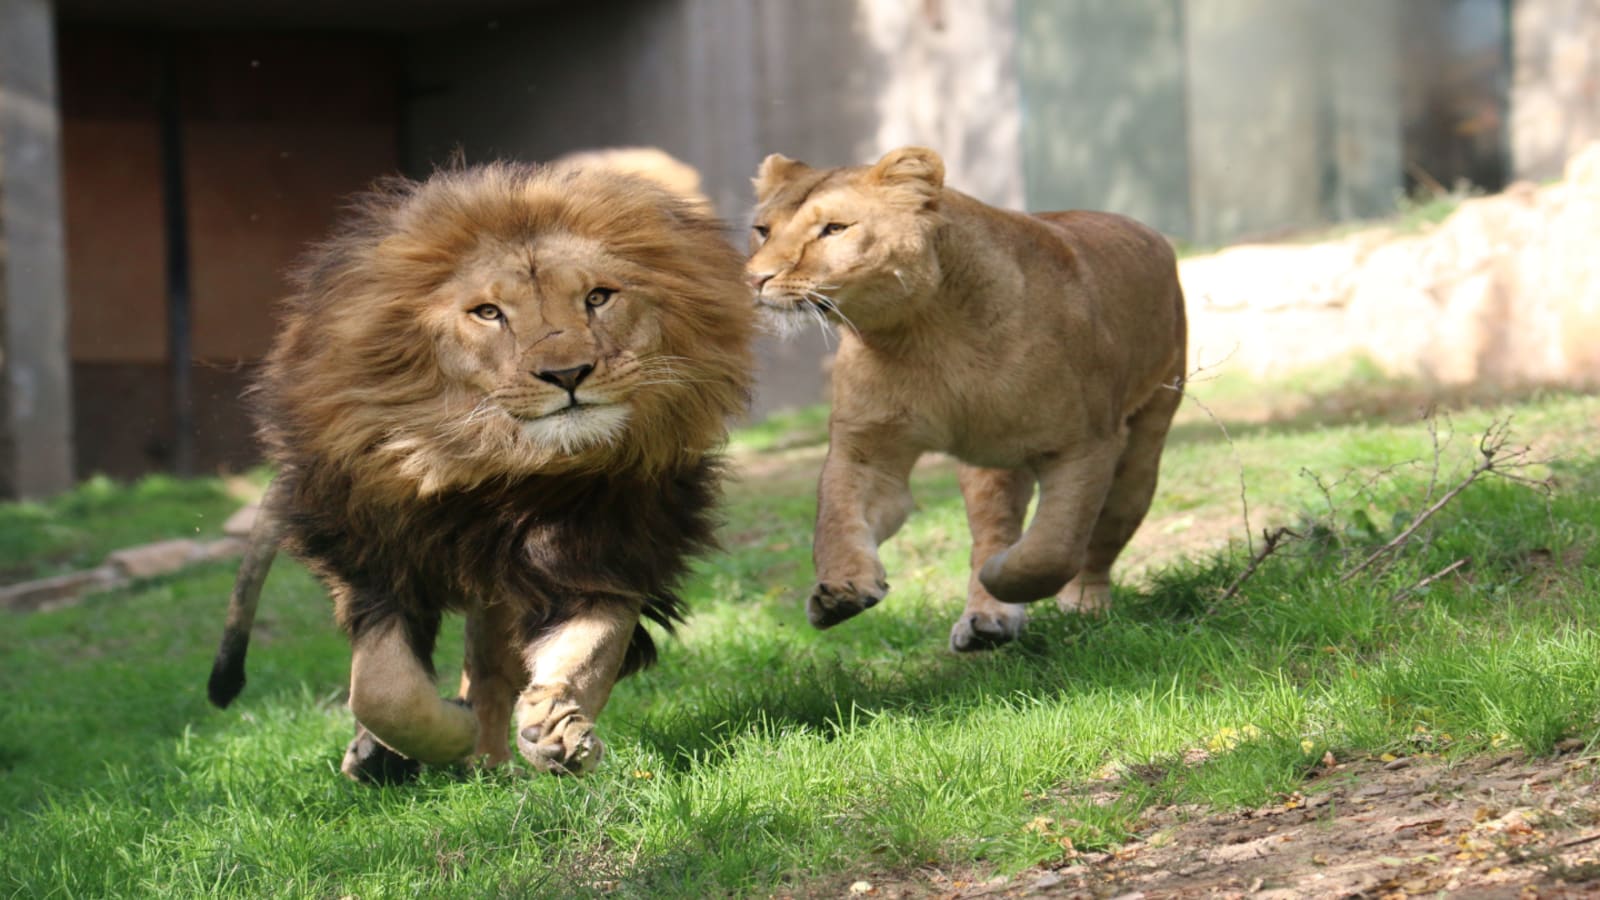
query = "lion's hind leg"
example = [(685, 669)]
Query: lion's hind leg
[(1132, 488), (996, 501), (492, 676)]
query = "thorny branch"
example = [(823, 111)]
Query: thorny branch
[(1180, 385), (1495, 458)]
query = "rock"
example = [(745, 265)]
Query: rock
[(1507, 289), (57, 591), (1047, 881), (240, 523), (160, 558)]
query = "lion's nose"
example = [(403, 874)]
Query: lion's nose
[(567, 379), (758, 280)]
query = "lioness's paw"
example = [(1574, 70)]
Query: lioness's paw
[(570, 747), (1084, 599), (986, 629), (370, 762), (832, 603), (1015, 583)]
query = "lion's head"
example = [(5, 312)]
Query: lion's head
[(508, 320), (854, 243)]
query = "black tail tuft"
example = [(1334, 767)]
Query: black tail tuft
[(227, 671)]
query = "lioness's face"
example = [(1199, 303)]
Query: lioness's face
[(850, 244), (557, 334)]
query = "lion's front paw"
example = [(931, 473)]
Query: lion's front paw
[(560, 741), (833, 602), (987, 629), (370, 762)]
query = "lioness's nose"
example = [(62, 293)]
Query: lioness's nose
[(568, 379), (758, 280)]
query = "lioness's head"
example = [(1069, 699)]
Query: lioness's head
[(509, 320), (853, 244)]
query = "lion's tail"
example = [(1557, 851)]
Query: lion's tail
[(227, 670)]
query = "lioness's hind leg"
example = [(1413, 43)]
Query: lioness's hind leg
[(573, 667), (1132, 488), (1053, 549), (997, 501)]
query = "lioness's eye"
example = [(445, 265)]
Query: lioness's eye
[(487, 312), (833, 228), (598, 297), (762, 231)]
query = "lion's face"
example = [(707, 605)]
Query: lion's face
[(557, 335), (853, 244), (512, 321)]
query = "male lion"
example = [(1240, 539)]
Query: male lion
[(1041, 348), (500, 392)]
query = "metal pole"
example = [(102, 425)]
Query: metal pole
[(178, 286)]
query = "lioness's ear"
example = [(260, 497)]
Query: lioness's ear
[(911, 164), (774, 171)]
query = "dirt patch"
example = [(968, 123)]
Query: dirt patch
[(1495, 826)]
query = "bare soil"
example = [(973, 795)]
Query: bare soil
[(1506, 826)]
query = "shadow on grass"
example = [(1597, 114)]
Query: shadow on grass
[(1362, 397)]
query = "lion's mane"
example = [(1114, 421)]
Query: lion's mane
[(405, 503)]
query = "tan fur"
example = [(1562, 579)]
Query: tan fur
[(653, 163), (1038, 349), (445, 374)]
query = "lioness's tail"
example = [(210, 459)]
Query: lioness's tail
[(227, 671)]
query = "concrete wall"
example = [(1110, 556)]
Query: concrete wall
[(722, 83), (1555, 89), (36, 408), (1294, 114), (276, 131), (1104, 124)]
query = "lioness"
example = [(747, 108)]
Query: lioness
[(501, 392), (1042, 348)]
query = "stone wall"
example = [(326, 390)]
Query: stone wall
[(1506, 290), (1555, 90)]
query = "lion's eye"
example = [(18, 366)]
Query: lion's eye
[(599, 297), (488, 312), (833, 228), (762, 231)]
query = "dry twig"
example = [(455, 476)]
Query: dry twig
[(1270, 542), (1432, 578)]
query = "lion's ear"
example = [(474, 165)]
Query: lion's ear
[(774, 171)]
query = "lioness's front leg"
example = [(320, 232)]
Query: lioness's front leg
[(1071, 492), (573, 667), (862, 499)]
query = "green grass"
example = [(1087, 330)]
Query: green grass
[(76, 529), (763, 756)]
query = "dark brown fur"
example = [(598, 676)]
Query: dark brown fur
[(409, 504)]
